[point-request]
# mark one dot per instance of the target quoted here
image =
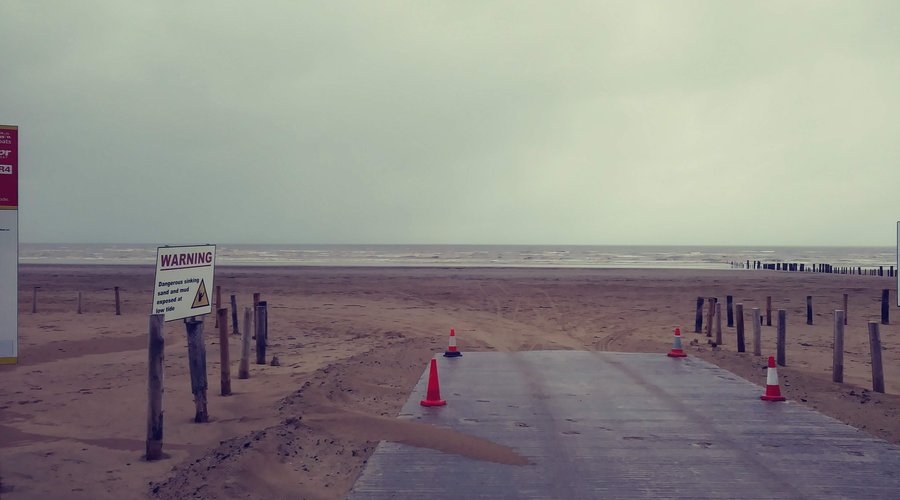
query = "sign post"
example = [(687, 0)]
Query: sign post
[(9, 244), (184, 277)]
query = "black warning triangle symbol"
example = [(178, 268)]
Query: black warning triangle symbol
[(202, 298)]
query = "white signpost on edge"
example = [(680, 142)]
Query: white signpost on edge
[(184, 278), (9, 284)]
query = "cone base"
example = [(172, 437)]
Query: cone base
[(677, 353), (452, 354), (765, 397), (432, 402)]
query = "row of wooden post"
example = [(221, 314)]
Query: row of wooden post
[(815, 268), (714, 315), (698, 323), (78, 307), (197, 362)]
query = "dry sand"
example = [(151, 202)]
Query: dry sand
[(352, 342)]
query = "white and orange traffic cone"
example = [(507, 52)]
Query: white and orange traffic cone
[(677, 351), (452, 352), (433, 393), (773, 391)]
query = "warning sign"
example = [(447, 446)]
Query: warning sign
[(201, 299), (182, 275)]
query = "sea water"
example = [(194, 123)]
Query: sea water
[(576, 256)]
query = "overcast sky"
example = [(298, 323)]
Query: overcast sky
[(704, 122)]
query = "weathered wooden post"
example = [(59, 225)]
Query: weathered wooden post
[(234, 315), (739, 312), (244, 368), (698, 320), (729, 303), (875, 348), (224, 360), (782, 334), (837, 366), (809, 313), (79, 302), (769, 310), (718, 323), (197, 364), (34, 300), (218, 302), (710, 313), (155, 357), (261, 322), (846, 311), (885, 306), (757, 332), (118, 309), (255, 303)]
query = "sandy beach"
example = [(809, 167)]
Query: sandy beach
[(351, 343)]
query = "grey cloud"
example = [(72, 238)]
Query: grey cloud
[(700, 122)]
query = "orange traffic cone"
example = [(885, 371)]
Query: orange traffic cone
[(677, 351), (433, 396), (773, 391), (451, 350)]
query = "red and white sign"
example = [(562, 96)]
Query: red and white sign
[(9, 166), (9, 244)]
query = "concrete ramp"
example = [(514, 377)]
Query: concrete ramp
[(619, 425)]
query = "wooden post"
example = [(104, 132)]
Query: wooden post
[(769, 310), (757, 332), (261, 322), (156, 355), (739, 313), (711, 311), (718, 323), (729, 303), (218, 302), (223, 352), (197, 364), (809, 318), (255, 303), (845, 311), (79, 302), (875, 348), (698, 320), (782, 334), (34, 300), (244, 368), (234, 317), (837, 366), (885, 306), (118, 309)]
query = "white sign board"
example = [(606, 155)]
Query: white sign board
[(184, 278), (9, 277)]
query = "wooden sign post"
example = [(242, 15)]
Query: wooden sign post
[(156, 355), (197, 364)]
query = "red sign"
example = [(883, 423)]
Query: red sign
[(9, 166)]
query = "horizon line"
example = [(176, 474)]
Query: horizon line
[(718, 245)]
